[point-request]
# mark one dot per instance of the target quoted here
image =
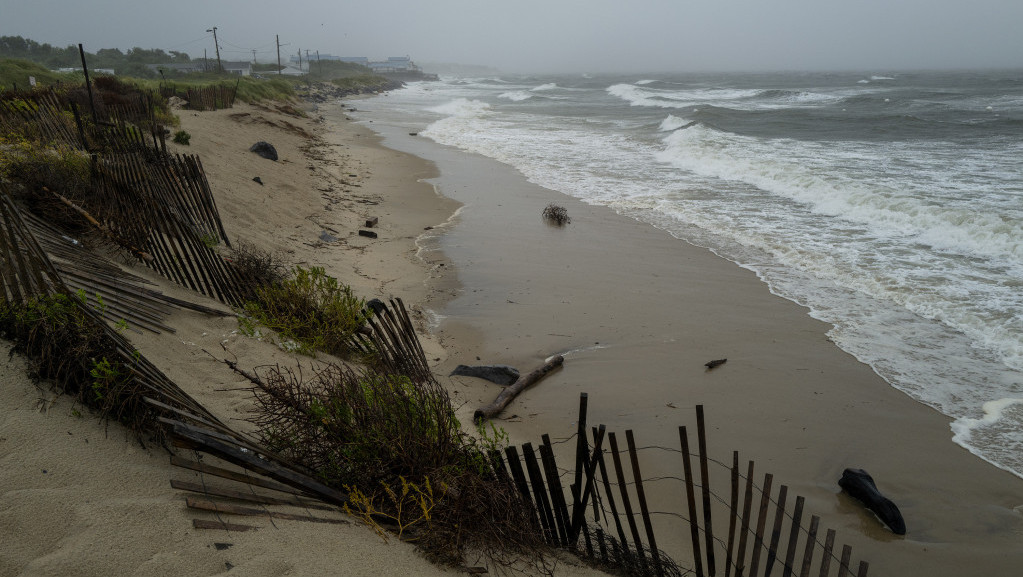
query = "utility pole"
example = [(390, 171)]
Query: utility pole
[(300, 59), (220, 67), (253, 55), (307, 62), (278, 54), (318, 65)]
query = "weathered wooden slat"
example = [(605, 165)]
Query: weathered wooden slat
[(243, 496), (779, 516), (708, 530), (733, 511), (627, 504), (740, 558), (555, 488), (758, 542), (641, 497), (843, 565), (790, 554), (579, 514), (247, 459), (206, 505), (540, 494), (609, 495), (863, 569), (233, 476), (811, 540), (829, 545), (694, 527)]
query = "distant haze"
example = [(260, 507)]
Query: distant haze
[(554, 35)]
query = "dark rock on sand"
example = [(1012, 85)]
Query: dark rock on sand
[(503, 375), (264, 149), (715, 363), (258, 180), (376, 305), (860, 486)]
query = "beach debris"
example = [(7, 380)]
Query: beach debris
[(715, 363), (556, 214), (257, 180), (264, 149), (371, 222), (860, 486), (413, 134), (327, 237), (503, 375), (367, 233), (521, 384)]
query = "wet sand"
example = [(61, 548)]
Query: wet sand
[(637, 313)]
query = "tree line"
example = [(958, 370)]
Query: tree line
[(130, 62)]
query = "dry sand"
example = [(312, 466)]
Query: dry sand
[(637, 313), (81, 498)]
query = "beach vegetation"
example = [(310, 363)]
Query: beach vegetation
[(555, 214), (68, 347), (182, 137), (398, 450), (15, 72), (34, 165), (309, 308)]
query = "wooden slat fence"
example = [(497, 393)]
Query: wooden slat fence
[(204, 98), (608, 519)]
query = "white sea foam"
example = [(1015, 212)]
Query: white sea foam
[(644, 82), (515, 95), (876, 78), (542, 87), (912, 249), (672, 122), (461, 107)]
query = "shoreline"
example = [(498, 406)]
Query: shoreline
[(788, 397), (511, 290)]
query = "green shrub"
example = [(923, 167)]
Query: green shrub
[(311, 311), (182, 137)]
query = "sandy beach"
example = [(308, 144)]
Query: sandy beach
[(78, 497), (635, 311)]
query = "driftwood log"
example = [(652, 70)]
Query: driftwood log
[(509, 393)]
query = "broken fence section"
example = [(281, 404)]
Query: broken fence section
[(606, 516)]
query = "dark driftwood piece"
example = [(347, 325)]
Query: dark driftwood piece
[(524, 382), (860, 485)]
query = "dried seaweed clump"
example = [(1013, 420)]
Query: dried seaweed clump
[(556, 214), (396, 448)]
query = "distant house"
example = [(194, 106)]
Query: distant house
[(109, 71), (205, 65), (394, 64)]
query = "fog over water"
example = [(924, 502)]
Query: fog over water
[(554, 36)]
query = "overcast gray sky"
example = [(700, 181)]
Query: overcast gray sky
[(554, 35)]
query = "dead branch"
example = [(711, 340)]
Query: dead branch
[(509, 393)]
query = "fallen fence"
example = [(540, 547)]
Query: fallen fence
[(606, 505)]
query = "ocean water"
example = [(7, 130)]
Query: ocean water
[(889, 204)]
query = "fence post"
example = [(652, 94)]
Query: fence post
[(790, 555), (641, 497), (554, 487), (733, 509), (705, 478), (758, 543), (540, 494), (740, 558), (626, 503), (694, 528), (811, 540), (779, 516)]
